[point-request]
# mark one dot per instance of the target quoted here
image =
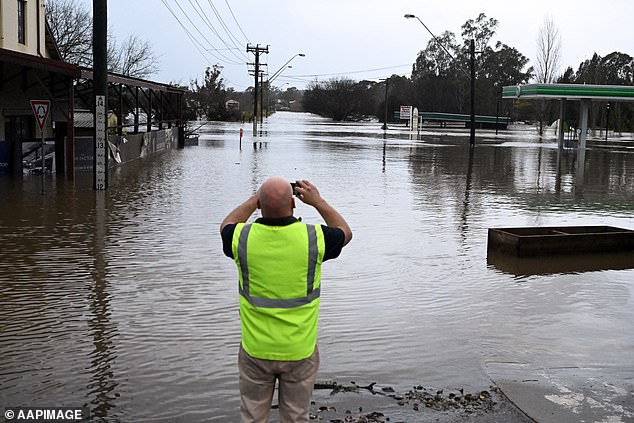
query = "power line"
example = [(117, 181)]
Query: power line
[(191, 37), (203, 16), (349, 72), (197, 44), (236, 21), (222, 22), (227, 59)]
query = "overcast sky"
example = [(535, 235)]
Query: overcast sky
[(361, 39)]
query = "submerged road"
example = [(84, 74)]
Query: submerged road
[(123, 302)]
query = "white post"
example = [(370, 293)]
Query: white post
[(43, 159), (585, 104), (581, 150), (560, 131)]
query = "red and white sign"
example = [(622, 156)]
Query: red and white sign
[(40, 110), (406, 112)]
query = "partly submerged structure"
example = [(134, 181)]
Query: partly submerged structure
[(31, 68), (544, 250), (571, 92), (546, 241), (583, 93)]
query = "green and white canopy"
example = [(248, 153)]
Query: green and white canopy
[(569, 92)]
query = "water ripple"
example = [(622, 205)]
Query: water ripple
[(124, 303)]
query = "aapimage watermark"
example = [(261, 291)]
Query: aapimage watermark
[(46, 414)]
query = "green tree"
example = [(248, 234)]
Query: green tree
[(482, 30), (211, 96), (442, 81), (338, 98), (436, 76), (400, 93), (499, 66), (614, 69)]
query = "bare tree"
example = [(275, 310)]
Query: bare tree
[(71, 25), (548, 63), (548, 52), (134, 57)]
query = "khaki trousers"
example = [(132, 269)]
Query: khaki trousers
[(296, 380)]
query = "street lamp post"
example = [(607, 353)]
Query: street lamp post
[(279, 71), (470, 76), (387, 80)]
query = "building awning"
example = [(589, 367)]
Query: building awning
[(115, 78), (569, 92), (41, 63)]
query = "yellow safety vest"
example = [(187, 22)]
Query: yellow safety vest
[(279, 270)]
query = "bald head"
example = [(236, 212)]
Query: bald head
[(275, 198)]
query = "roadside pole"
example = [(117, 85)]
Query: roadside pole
[(100, 80), (257, 50)]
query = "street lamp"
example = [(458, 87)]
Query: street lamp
[(277, 73), (281, 69), (471, 77)]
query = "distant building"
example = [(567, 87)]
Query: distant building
[(232, 105)]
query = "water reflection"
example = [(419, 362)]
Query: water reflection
[(102, 389), (467, 192), (125, 302), (577, 263)]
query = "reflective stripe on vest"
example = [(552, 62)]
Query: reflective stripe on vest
[(311, 293)]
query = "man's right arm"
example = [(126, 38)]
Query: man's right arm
[(241, 213), (237, 215)]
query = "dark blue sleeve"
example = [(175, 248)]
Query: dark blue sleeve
[(227, 239), (333, 238)]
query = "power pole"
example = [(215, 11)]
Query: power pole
[(472, 61), (261, 98), (387, 80), (257, 50)]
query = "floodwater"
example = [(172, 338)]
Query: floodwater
[(124, 303)]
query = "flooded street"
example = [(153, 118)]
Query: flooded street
[(123, 302)]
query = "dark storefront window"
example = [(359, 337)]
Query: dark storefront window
[(19, 128)]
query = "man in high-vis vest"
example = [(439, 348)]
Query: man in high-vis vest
[(279, 270)]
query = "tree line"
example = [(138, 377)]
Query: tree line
[(440, 80)]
